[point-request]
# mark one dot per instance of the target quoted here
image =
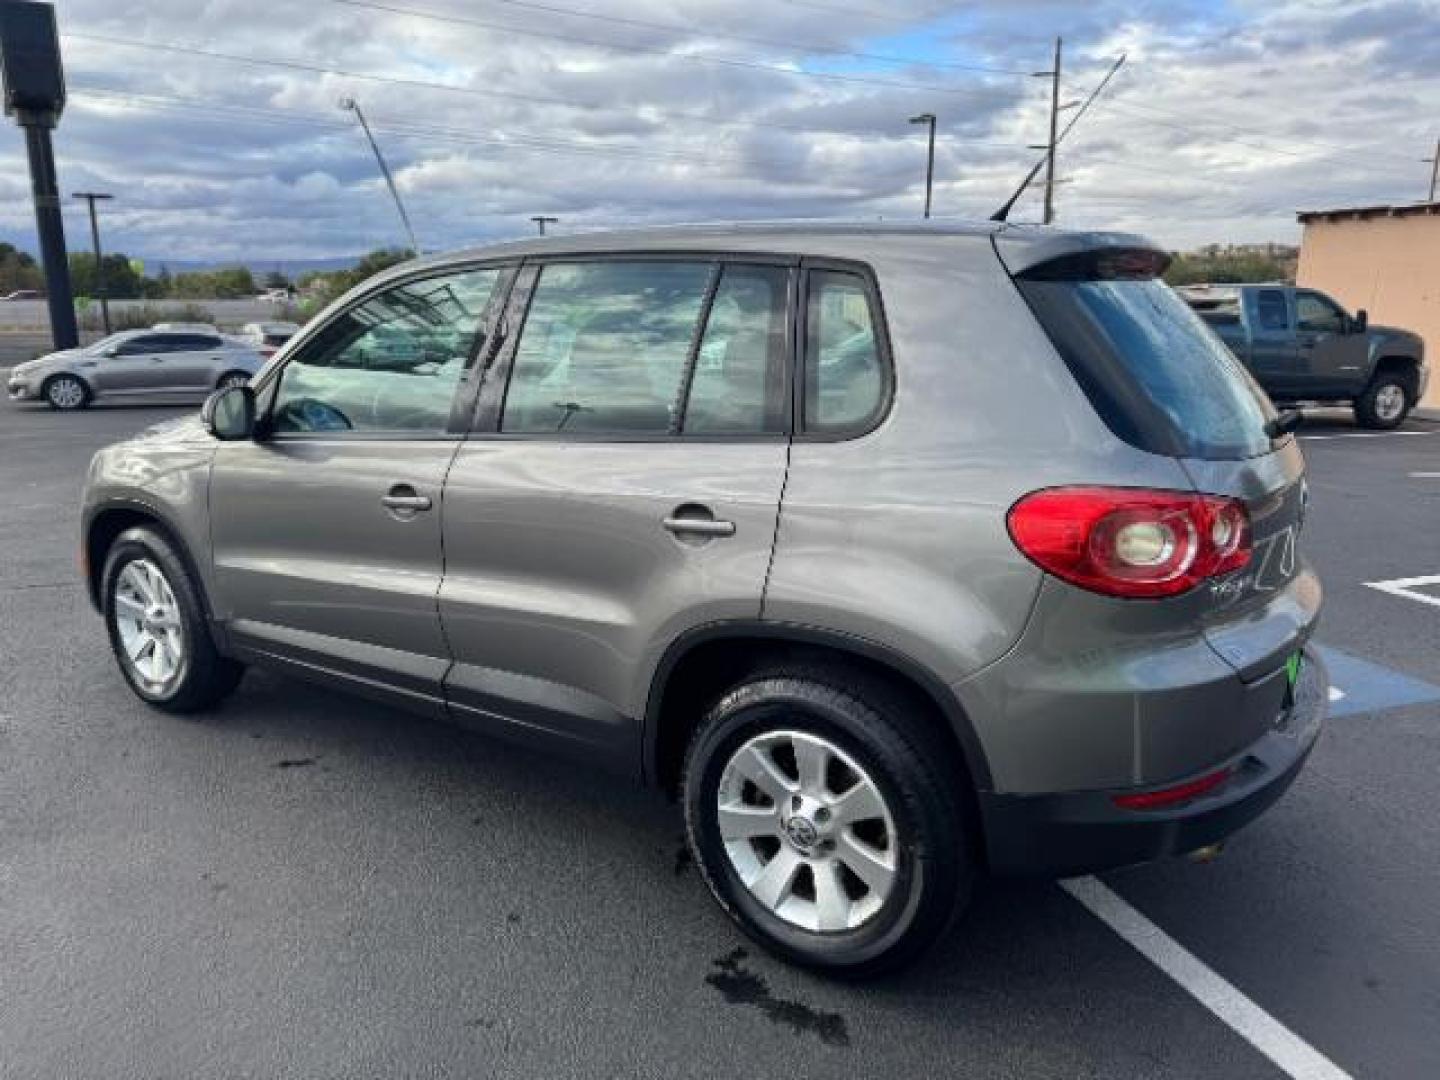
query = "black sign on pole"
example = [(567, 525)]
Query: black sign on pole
[(34, 85)]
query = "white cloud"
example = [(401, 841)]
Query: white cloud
[(1225, 120)]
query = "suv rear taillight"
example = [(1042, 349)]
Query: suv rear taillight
[(1131, 542)]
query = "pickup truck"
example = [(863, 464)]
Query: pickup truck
[(1302, 346)]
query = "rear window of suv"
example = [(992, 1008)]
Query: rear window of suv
[(1159, 377)]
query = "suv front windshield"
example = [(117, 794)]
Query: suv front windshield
[(1155, 372)]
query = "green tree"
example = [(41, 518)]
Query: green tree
[(276, 280), (18, 270), (122, 282), (321, 287)]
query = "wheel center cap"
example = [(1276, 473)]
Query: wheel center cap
[(801, 832)]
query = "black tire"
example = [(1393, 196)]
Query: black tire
[(874, 724), (1371, 409), (205, 677), (70, 389)]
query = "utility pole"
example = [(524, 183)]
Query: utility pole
[(349, 104), (541, 220), (928, 118), (1434, 169), (1054, 74), (100, 289), (34, 93)]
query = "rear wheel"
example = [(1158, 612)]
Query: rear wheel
[(66, 392), (157, 625), (825, 820), (1386, 401)]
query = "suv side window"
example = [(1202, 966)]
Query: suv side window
[(605, 347), (1270, 308), (738, 385), (390, 364), (844, 372), (1314, 312)]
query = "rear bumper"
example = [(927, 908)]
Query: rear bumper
[(1083, 832)]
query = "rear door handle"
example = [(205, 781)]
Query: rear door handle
[(687, 526)]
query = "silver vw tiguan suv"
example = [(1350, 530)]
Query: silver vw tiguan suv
[(899, 555)]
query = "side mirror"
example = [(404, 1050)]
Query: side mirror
[(229, 413), (1361, 322)]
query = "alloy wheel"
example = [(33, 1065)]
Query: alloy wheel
[(1389, 402), (148, 619), (66, 394), (807, 831)]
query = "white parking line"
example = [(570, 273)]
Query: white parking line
[(1292, 1054), (1364, 435), (1406, 587), (1425, 476)]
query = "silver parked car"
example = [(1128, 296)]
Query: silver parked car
[(899, 555), (133, 364)]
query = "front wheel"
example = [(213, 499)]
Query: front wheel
[(66, 392), (825, 820), (157, 625), (1385, 403)]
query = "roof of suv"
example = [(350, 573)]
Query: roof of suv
[(1026, 245)]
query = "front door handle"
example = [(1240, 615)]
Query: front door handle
[(707, 527), (404, 501)]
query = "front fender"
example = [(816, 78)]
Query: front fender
[(157, 480)]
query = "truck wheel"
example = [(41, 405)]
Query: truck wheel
[(825, 819), (1386, 402)]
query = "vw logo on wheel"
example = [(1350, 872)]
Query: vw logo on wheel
[(802, 832)]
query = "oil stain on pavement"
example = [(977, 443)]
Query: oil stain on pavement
[(741, 987)]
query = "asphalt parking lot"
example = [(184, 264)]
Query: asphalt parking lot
[(308, 885)]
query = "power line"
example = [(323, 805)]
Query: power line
[(404, 126), (1271, 147), (656, 50), (878, 16), (397, 127), (620, 20), (1192, 120), (422, 84)]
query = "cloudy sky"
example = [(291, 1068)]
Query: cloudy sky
[(215, 122)]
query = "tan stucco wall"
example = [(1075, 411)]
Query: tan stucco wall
[(1390, 266)]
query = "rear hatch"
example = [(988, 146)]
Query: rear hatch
[(1165, 383)]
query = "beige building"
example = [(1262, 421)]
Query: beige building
[(1385, 259)]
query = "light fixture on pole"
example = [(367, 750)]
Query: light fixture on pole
[(541, 221), (349, 104), (928, 119), (101, 292)]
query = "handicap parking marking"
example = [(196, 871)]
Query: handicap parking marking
[(1408, 588), (1359, 686)]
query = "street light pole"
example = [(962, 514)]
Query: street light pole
[(541, 220), (1434, 169), (929, 119), (101, 291), (351, 105)]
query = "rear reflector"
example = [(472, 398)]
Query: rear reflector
[(1131, 542), (1171, 796)]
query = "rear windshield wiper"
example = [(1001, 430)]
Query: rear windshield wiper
[(1283, 424)]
